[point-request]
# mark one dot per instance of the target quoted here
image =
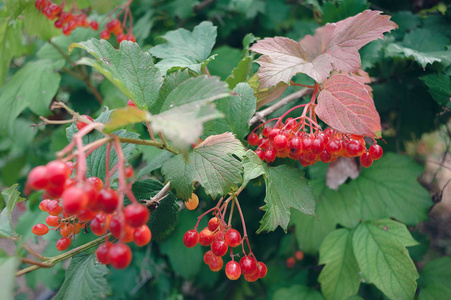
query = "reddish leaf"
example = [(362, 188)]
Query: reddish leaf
[(346, 105), (333, 47)]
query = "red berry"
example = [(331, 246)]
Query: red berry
[(142, 235), (105, 35), (248, 265), (266, 131), (102, 253), (290, 124), (318, 145), (43, 204), (325, 157), (127, 237), (375, 152), (273, 133), (55, 191), (216, 263), (53, 208), (232, 238), (81, 124), (252, 139), (63, 243), (120, 255), (38, 179), (219, 248), (94, 25), (233, 270), (213, 223), (66, 229), (280, 142), (354, 148), (290, 262), (208, 257), (306, 143), (191, 238), (262, 269), (130, 37), (299, 255), (260, 154), (295, 145), (252, 277), (113, 25), (117, 226), (96, 182), (86, 215), (136, 214), (98, 224), (206, 237), (75, 199), (107, 200), (52, 221), (270, 155), (334, 146), (263, 143), (40, 229), (58, 24), (120, 38), (365, 160), (67, 31), (131, 103)]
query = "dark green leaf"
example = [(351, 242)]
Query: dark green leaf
[(380, 251), (210, 163), (340, 277), (185, 49), (85, 278), (125, 116), (226, 58), (435, 279), (439, 88), (338, 10), (164, 218), (8, 268), (33, 86), (297, 292), (96, 160), (11, 198), (129, 69), (170, 82)]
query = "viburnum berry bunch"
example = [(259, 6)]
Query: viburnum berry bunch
[(221, 238), (73, 18), (76, 202)]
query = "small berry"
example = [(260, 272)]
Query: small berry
[(40, 229), (75, 199), (63, 243), (232, 237), (43, 204), (102, 253), (107, 200), (98, 224), (375, 152), (128, 172), (94, 25), (142, 235), (262, 269), (299, 255), (270, 155), (105, 35), (53, 208), (216, 263), (290, 262), (208, 257), (66, 229), (191, 238), (318, 145), (117, 225), (192, 202), (206, 237), (120, 255), (260, 154), (365, 160), (52, 221), (280, 142), (248, 265), (219, 248), (131, 103), (233, 270), (136, 214), (252, 139), (252, 277), (213, 224), (37, 179)]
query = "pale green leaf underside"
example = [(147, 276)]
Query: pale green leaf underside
[(380, 251)]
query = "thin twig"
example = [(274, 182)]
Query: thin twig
[(160, 195)]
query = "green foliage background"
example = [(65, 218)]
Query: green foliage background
[(412, 89)]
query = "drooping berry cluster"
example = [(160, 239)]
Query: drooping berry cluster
[(289, 140), (220, 237), (74, 18)]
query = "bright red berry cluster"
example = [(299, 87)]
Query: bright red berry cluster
[(287, 140), (72, 205), (220, 237), (74, 17)]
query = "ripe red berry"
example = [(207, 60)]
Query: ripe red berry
[(191, 238), (232, 237), (130, 37), (252, 277), (280, 142), (270, 155), (117, 225), (213, 224), (58, 24), (334, 146), (131, 103), (98, 224), (354, 148), (66, 229), (375, 152), (105, 35), (53, 208), (102, 253), (86, 215), (263, 143), (142, 235), (295, 145), (266, 131), (127, 236), (216, 263), (299, 255), (43, 204), (273, 133), (290, 262), (208, 257), (252, 139), (219, 247), (52, 221), (262, 269), (128, 172), (248, 265), (290, 124), (94, 25), (75, 199), (96, 182), (365, 160), (260, 154), (120, 38), (57, 172), (306, 143), (325, 157), (81, 124), (40, 229), (63, 243), (318, 145), (113, 25), (136, 214), (107, 200), (38, 179), (233, 270), (206, 237), (120, 255)]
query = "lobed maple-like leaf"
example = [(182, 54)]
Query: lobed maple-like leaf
[(346, 105), (333, 47)]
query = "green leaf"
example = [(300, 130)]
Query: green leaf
[(439, 88), (170, 82), (240, 72), (424, 46), (11, 198), (164, 218), (184, 261), (340, 10), (435, 279), (185, 49), (297, 292), (125, 116), (96, 161), (286, 188), (226, 58), (129, 68), (33, 86), (38, 24), (201, 88), (15, 7), (340, 278), (210, 163), (380, 251), (315, 5), (183, 124), (86, 278), (8, 268)]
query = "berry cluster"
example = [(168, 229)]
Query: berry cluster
[(70, 20), (287, 140), (220, 237), (73, 204), (67, 21)]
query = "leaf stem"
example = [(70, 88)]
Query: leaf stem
[(157, 144)]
